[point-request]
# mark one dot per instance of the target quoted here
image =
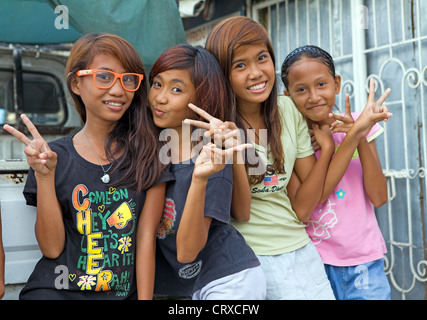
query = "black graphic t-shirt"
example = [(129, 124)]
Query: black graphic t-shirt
[(98, 261), (225, 252)]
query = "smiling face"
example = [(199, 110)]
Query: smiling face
[(105, 104), (170, 93), (313, 89), (252, 75)]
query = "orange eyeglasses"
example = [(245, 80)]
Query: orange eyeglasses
[(105, 79)]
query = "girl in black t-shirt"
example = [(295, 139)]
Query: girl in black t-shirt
[(200, 253), (93, 188)]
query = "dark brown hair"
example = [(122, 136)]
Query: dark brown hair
[(212, 94), (223, 41), (309, 51), (135, 135)]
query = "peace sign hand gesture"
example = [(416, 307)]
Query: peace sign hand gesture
[(374, 112), (39, 156), (225, 134), (212, 159), (343, 123)]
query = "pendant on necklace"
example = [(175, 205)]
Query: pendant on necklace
[(105, 178)]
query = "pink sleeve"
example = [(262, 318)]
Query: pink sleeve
[(375, 131)]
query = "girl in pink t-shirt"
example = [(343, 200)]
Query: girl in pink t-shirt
[(343, 226)]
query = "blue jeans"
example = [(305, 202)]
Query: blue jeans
[(363, 282)]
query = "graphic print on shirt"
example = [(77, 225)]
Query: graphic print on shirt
[(168, 219), (321, 223), (190, 270), (273, 182), (318, 229), (106, 221)]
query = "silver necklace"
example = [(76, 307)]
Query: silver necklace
[(106, 177)]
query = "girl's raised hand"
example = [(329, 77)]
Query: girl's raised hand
[(212, 124), (212, 159), (374, 112), (222, 133), (323, 137), (39, 156), (345, 122)]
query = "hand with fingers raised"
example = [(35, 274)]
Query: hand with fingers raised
[(39, 156), (224, 134), (343, 123), (323, 138), (213, 159), (374, 112)]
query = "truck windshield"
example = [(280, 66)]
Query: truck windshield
[(43, 98)]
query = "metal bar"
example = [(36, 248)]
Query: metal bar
[(331, 44), (360, 66), (307, 18), (297, 23), (374, 21), (279, 47), (341, 29), (392, 45), (18, 86), (334, 12), (288, 37), (319, 35), (390, 38)]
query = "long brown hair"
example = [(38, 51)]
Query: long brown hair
[(212, 93), (223, 41), (135, 136)]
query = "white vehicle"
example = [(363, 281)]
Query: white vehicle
[(32, 81)]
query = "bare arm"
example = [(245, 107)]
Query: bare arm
[(374, 180), (305, 186), (146, 240), (194, 227), (49, 227), (227, 134), (1, 262), (355, 138), (241, 196)]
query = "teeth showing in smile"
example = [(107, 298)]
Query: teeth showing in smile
[(114, 104), (258, 86)]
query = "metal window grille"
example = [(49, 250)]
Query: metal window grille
[(385, 40)]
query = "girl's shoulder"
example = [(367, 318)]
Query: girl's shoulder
[(61, 143), (287, 107), (290, 115), (65, 150), (284, 102)]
